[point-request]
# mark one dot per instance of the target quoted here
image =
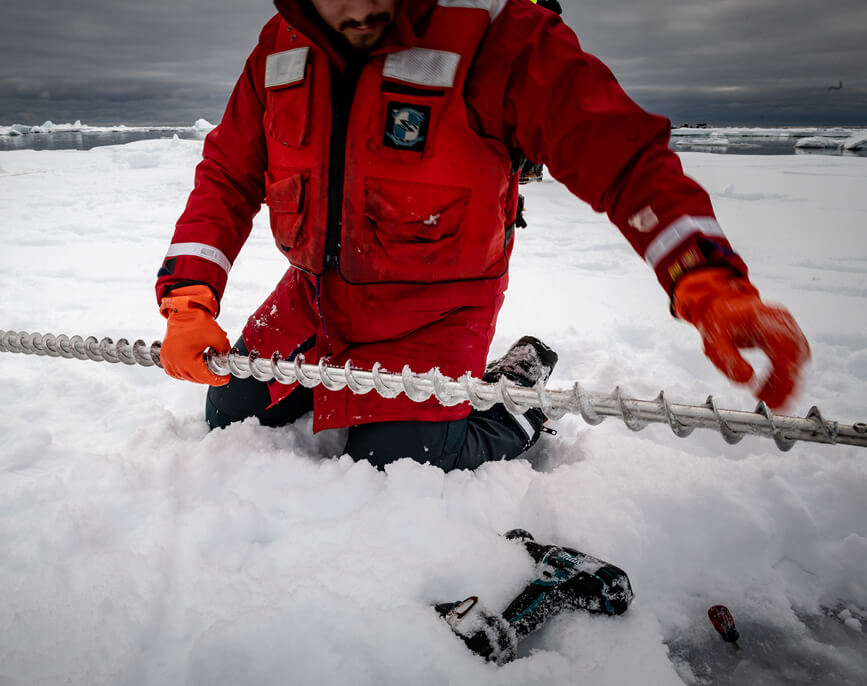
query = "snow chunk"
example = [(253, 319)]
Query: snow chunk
[(817, 142), (15, 130), (857, 141), (204, 125), (50, 127)]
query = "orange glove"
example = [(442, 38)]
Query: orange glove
[(192, 329), (728, 313)]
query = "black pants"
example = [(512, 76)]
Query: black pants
[(459, 444)]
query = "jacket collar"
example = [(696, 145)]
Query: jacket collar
[(409, 20)]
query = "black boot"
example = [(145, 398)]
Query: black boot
[(530, 172), (526, 363)]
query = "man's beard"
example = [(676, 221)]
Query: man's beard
[(366, 41)]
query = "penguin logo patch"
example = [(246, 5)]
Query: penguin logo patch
[(406, 126)]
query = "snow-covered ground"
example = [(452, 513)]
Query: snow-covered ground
[(137, 548)]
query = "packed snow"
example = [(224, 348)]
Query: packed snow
[(137, 548)]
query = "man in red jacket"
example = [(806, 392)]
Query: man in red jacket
[(384, 135)]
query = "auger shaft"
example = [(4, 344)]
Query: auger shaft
[(593, 407)]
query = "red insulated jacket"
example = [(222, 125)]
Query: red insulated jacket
[(390, 178), (425, 198)]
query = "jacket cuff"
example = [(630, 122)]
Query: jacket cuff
[(186, 270), (690, 244)]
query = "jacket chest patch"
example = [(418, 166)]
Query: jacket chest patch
[(406, 126), (422, 66), (285, 68)]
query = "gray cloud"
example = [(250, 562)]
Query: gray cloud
[(734, 61), (721, 61), (105, 62)]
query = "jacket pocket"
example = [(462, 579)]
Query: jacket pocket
[(287, 114), (408, 232), (287, 205), (411, 218)]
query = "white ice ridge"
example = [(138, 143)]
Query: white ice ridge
[(49, 127)]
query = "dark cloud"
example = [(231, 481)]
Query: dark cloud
[(733, 61), (103, 62), (721, 61)]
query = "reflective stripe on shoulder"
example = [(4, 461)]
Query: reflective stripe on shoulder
[(423, 66), (284, 68), (206, 252), (667, 240), (493, 6)]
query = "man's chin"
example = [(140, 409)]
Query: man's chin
[(362, 41)]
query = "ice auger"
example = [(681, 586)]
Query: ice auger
[(593, 407)]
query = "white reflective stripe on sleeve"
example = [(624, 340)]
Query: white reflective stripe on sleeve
[(493, 6), (283, 68), (525, 425), (423, 66), (677, 232), (206, 252)]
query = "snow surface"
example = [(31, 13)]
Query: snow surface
[(137, 548)]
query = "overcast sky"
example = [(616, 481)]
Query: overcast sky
[(172, 61)]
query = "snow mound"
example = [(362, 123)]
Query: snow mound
[(203, 125), (15, 130), (818, 142), (857, 141), (51, 127), (154, 153)]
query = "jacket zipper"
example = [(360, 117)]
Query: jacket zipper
[(342, 94)]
